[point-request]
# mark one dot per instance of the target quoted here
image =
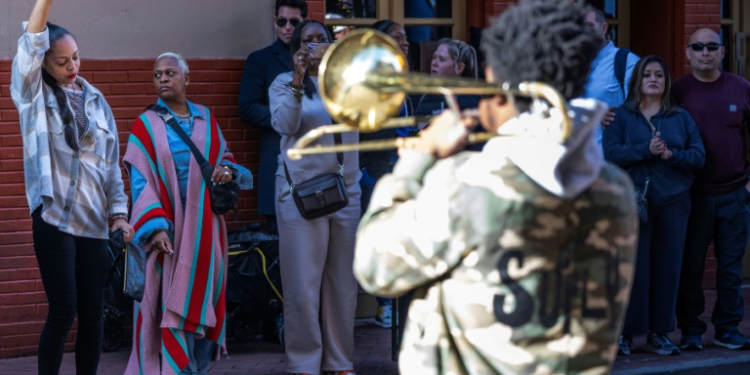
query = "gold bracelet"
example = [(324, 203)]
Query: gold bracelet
[(298, 90)]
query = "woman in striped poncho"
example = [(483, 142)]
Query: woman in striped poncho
[(180, 323)]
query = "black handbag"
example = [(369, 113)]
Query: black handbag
[(224, 196), (322, 195), (134, 270)]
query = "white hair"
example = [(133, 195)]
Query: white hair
[(180, 60)]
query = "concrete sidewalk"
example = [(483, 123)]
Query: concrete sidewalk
[(373, 356)]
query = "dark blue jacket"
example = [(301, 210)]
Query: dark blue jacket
[(626, 141), (261, 68)]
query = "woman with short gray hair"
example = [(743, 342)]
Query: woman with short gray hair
[(180, 323)]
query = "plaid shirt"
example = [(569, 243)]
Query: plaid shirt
[(85, 186)]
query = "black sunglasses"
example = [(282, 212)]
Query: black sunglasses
[(698, 46), (281, 22)]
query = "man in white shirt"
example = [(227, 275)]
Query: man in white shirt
[(603, 83)]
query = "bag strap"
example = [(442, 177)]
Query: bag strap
[(170, 120), (650, 166), (339, 156), (621, 62)]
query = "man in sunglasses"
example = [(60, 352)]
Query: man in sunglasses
[(720, 104), (261, 68)]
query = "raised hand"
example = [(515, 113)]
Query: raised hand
[(446, 135), (39, 16)]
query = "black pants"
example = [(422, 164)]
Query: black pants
[(661, 241), (723, 219), (73, 272)]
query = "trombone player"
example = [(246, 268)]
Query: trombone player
[(521, 255)]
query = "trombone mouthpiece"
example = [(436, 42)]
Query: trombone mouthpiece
[(293, 154)]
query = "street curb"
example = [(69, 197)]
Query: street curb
[(720, 366)]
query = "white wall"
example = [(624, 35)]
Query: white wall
[(112, 29)]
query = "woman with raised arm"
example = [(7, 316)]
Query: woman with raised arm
[(73, 186)]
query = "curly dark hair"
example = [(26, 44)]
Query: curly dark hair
[(543, 41)]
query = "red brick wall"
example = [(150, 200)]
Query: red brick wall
[(316, 9), (496, 7), (128, 89), (690, 16)]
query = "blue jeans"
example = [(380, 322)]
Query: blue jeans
[(724, 220), (200, 352)]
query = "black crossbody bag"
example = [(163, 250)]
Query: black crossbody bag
[(323, 194), (223, 197)]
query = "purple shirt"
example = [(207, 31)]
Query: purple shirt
[(721, 109)]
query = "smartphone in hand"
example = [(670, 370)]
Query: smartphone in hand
[(316, 50)]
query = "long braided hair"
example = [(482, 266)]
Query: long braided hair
[(55, 34)]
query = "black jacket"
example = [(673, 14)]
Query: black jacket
[(261, 68)]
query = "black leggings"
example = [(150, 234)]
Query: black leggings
[(73, 271)]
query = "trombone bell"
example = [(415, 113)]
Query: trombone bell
[(344, 72)]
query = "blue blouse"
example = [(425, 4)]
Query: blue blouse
[(181, 154)]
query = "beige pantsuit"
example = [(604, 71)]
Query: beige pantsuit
[(320, 292)]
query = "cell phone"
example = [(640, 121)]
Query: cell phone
[(312, 49)]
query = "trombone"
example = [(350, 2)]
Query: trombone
[(363, 81)]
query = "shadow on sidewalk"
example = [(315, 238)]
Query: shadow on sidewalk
[(372, 356), (641, 362)]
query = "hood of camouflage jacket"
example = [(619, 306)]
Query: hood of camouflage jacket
[(564, 169)]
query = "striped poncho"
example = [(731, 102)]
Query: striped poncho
[(184, 291)]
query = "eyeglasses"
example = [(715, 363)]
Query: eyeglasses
[(281, 22), (698, 46)]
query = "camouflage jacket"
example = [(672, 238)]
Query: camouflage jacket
[(508, 278)]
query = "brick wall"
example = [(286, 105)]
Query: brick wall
[(494, 8), (128, 89), (691, 15)]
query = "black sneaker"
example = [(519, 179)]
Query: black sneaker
[(691, 342), (660, 344), (624, 345), (731, 340)]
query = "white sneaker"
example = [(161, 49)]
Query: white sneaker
[(383, 318)]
